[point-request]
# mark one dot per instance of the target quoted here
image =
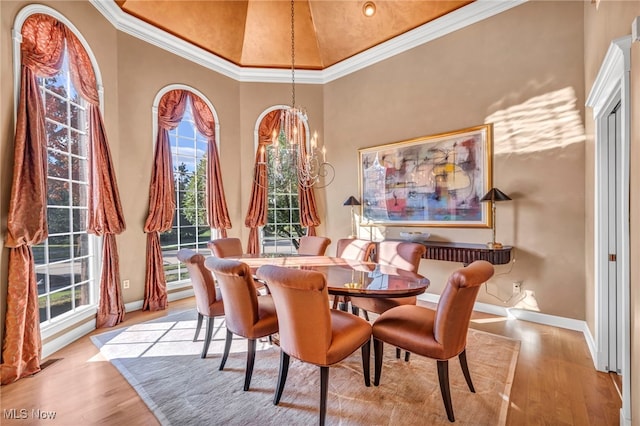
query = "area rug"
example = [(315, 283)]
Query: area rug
[(163, 364)]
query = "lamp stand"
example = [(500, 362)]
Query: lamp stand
[(354, 232), (493, 244)]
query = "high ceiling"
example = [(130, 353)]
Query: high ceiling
[(257, 33)]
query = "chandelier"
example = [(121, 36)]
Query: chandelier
[(291, 150)]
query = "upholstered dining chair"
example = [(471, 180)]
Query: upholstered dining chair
[(246, 314), (208, 298), (309, 330), (399, 254), (440, 334), (355, 249), (225, 247), (314, 246)]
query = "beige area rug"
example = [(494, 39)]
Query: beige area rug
[(161, 362)]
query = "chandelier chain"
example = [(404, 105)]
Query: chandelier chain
[(293, 57)]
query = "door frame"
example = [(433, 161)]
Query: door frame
[(612, 85)]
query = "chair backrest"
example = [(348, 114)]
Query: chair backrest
[(301, 301), (354, 249), (399, 254), (204, 287), (312, 245), (238, 292), (225, 247), (456, 305)]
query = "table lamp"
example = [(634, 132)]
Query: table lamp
[(493, 196), (352, 201)]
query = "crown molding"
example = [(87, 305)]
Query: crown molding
[(460, 18)]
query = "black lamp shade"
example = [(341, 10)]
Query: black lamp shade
[(351, 201), (494, 195)]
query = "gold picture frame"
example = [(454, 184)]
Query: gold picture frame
[(431, 181)]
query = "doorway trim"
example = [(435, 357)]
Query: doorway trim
[(611, 85)]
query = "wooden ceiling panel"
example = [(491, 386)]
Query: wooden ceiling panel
[(257, 33)]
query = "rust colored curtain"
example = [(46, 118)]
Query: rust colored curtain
[(217, 213), (42, 52), (257, 213), (105, 216), (162, 204)]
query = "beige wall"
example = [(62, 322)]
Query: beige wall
[(517, 70), (143, 71)]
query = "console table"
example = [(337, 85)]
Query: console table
[(466, 253)]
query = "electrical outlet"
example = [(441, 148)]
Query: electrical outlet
[(125, 283), (517, 287)]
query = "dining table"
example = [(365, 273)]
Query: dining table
[(347, 278)]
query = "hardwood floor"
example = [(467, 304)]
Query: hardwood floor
[(555, 382)]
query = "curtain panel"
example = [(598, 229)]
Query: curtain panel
[(257, 212), (106, 218), (162, 203)]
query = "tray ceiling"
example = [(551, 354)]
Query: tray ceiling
[(257, 33)]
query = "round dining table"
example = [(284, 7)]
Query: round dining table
[(348, 278)]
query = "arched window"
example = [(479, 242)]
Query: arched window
[(282, 230), (189, 152), (63, 192)]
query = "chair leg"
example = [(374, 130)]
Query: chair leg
[(324, 388), (198, 326), (366, 362), (465, 369), (227, 346), (251, 357), (378, 346), (355, 310), (282, 377), (366, 315), (406, 354), (443, 376), (207, 339)]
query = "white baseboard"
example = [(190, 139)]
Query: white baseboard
[(171, 297), (67, 338), (531, 316)]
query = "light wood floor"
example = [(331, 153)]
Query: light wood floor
[(555, 382)]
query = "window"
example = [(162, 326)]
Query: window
[(65, 261), (190, 229), (282, 230)]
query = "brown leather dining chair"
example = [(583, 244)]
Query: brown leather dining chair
[(440, 334), (312, 245), (355, 249), (309, 330), (398, 254), (246, 314), (402, 255), (208, 298), (225, 247)]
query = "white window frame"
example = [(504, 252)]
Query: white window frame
[(256, 138), (67, 327), (154, 117)]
